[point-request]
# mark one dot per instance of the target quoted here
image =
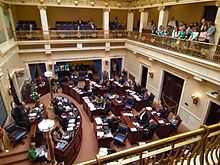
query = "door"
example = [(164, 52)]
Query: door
[(171, 91), (116, 67), (144, 76), (37, 70), (213, 115), (210, 13)]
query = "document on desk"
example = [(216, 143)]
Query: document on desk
[(100, 133), (127, 114), (161, 121), (133, 129), (98, 120)]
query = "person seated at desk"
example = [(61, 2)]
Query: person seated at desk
[(57, 134), (20, 115), (144, 118), (37, 154), (164, 111), (121, 80), (113, 122)]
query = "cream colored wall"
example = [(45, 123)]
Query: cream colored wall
[(153, 15), (26, 13), (188, 13), (73, 14), (192, 115), (121, 15)]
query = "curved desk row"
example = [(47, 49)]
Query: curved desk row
[(70, 120)]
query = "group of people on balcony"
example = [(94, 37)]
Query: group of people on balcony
[(203, 32)]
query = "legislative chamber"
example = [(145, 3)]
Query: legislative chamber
[(112, 82)]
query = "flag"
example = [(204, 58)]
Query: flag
[(13, 91)]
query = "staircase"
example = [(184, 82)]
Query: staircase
[(15, 158)]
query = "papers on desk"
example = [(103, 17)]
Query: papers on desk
[(118, 84), (103, 151), (109, 134), (127, 114), (137, 98), (100, 133), (133, 129), (149, 108), (98, 120), (161, 121)]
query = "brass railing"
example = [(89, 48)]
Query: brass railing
[(202, 50), (199, 146)]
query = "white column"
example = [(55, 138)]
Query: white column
[(130, 21), (106, 19), (163, 16), (143, 20), (217, 25), (44, 22), (12, 21), (2, 20)]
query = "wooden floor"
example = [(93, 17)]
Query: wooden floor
[(89, 146)]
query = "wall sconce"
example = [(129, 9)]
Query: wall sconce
[(195, 99), (106, 4), (92, 3), (119, 5), (41, 1), (151, 74), (76, 3), (58, 2)]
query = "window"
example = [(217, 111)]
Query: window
[(3, 112)]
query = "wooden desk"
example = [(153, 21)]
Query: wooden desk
[(117, 107), (134, 135), (164, 128), (102, 141)]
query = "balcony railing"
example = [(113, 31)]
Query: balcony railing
[(200, 146), (202, 50)]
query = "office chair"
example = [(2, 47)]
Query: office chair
[(129, 104), (121, 134), (15, 133), (150, 100)]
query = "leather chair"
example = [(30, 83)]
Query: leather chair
[(129, 104), (16, 133), (121, 134), (150, 100)]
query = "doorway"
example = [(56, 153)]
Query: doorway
[(210, 13), (171, 91), (116, 67), (37, 70), (144, 76), (213, 115)]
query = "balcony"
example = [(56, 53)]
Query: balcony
[(37, 39)]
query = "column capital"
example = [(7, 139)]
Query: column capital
[(130, 11), (42, 7), (106, 10), (141, 10), (161, 8)]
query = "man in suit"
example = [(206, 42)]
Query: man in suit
[(144, 118)]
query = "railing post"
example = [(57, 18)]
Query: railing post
[(98, 160), (141, 159), (203, 144)]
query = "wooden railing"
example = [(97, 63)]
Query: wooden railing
[(202, 50), (200, 146)]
